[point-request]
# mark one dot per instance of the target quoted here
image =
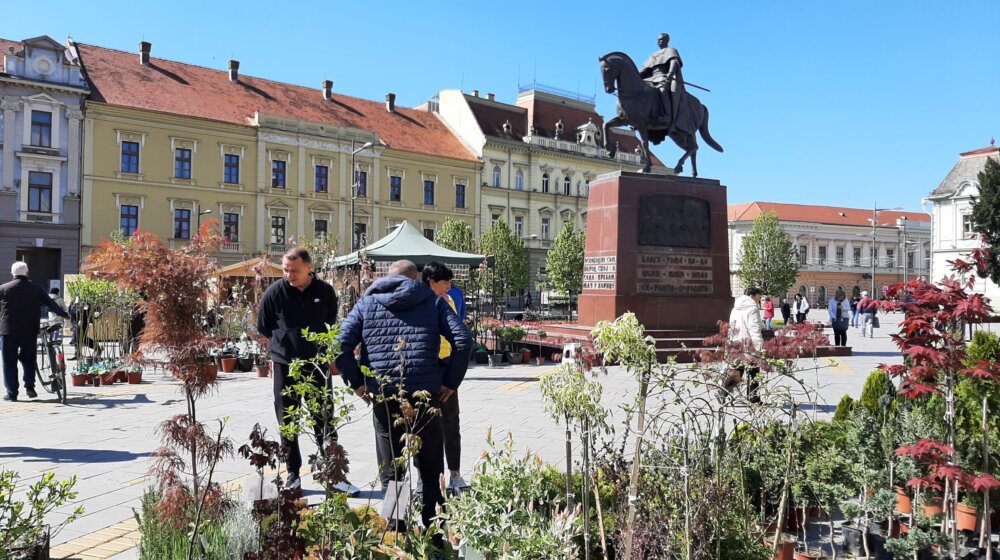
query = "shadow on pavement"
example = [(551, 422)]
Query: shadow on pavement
[(528, 378), (106, 402), (33, 455)]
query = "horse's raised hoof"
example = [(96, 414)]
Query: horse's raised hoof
[(679, 169)]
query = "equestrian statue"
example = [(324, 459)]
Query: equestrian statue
[(656, 104)]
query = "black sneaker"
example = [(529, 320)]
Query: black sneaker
[(31, 393), (294, 482), (11, 398)]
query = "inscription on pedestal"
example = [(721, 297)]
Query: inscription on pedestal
[(669, 220), (599, 273), (674, 274)]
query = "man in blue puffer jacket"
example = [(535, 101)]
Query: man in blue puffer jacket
[(399, 324)]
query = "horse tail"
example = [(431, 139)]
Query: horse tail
[(706, 135)]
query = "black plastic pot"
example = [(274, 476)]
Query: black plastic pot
[(244, 364), (853, 539), (482, 357), (38, 552)]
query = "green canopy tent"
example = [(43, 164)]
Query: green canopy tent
[(405, 242)]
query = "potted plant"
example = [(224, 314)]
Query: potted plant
[(967, 512), (511, 335), (23, 533), (481, 354), (228, 363), (245, 362), (80, 376), (133, 373)]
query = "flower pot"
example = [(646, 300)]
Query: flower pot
[(95, 380), (903, 502), (495, 360), (134, 377), (932, 507), (904, 528), (482, 357), (526, 357), (229, 365), (803, 555), (209, 372), (121, 376), (79, 380), (786, 548), (264, 370), (853, 539), (244, 364), (539, 360), (109, 378), (966, 517)]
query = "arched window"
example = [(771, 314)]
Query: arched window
[(496, 176), (567, 185), (856, 292), (519, 180), (545, 182), (822, 296)]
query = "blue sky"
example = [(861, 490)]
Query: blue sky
[(842, 103)]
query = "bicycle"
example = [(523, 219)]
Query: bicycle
[(51, 362)]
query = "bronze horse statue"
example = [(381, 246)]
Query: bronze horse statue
[(638, 107)]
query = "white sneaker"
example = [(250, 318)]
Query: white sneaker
[(457, 483), (347, 488), (294, 482)]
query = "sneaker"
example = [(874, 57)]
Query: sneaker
[(293, 482), (457, 483), (11, 398), (420, 486), (31, 393), (347, 488)]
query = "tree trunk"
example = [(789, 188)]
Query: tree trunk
[(633, 497), (569, 465)]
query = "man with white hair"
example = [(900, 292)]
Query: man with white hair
[(20, 314)]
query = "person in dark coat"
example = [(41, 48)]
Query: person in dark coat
[(786, 311), (20, 302), (298, 301), (398, 325)]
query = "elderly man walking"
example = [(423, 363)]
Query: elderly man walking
[(20, 306), (398, 325)]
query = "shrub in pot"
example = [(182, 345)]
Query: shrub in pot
[(22, 528)]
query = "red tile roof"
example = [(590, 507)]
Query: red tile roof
[(491, 117), (166, 86), (837, 215), (981, 151)]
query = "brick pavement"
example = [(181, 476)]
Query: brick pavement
[(105, 435)]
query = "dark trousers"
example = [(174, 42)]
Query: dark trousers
[(839, 337), (18, 349), (389, 447), (452, 433), (749, 373), (324, 434), (800, 317)]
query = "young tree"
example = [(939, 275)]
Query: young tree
[(510, 269), (767, 259), (456, 235), (564, 263), (986, 217)]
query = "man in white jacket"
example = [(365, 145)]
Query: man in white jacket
[(744, 331)]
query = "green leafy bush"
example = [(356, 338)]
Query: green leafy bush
[(22, 523)]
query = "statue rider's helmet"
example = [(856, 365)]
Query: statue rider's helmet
[(663, 40)]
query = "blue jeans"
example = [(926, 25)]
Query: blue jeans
[(854, 318), (18, 349)]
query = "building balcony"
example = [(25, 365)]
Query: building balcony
[(232, 247), (276, 248)]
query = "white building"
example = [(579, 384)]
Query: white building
[(954, 233)]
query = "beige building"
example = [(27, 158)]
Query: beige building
[(170, 145), (538, 158)]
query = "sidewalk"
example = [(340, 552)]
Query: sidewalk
[(105, 435)]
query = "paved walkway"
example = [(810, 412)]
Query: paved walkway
[(105, 435)]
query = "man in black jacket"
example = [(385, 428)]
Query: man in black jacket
[(20, 300), (298, 301)]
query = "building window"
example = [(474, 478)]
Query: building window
[(586, 188), (519, 180), (496, 176), (968, 228), (395, 188), (361, 180), (856, 256), (822, 256), (840, 256), (129, 219), (567, 185), (319, 229), (545, 228), (277, 174), (41, 129), (277, 230), (545, 182), (39, 191), (322, 178), (494, 219), (232, 169), (890, 258), (182, 163), (459, 196), (909, 260), (519, 226), (182, 224), (429, 193), (429, 233), (130, 157), (360, 235), (803, 252), (231, 227)]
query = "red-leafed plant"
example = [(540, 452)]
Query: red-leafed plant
[(932, 340), (176, 284)]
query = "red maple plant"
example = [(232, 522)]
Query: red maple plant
[(175, 284), (931, 338)]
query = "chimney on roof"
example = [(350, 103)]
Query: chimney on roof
[(390, 102), (144, 48), (234, 70), (475, 93), (491, 97), (327, 89)]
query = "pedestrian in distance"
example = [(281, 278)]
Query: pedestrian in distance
[(20, 321), (768, 307), (800, 308), (786, 311), (744, 331), (299, 300), (398, 325), (855, 312), (839, 317), (867, 307)]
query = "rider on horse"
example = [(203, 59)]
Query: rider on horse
[(663, 71)]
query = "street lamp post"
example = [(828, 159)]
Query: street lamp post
[(874, 221), (354, 191), (906, 249), (200, 214)]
